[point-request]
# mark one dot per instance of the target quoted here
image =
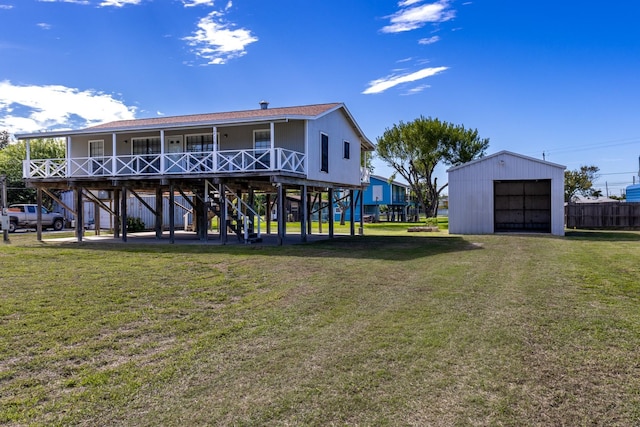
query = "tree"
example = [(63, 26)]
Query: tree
[(414, 150), (5, 138), (580, 182), (11, 158)]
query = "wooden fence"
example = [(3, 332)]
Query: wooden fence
[(602, 215)]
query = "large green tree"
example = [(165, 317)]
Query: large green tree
[(414, 149), (580, 182), (12, 157)]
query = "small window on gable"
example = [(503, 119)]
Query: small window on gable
[(347, 149), (324, 162)]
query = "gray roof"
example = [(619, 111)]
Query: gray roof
[(304, 112)]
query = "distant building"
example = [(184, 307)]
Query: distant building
[(633, 193), (381, 197)]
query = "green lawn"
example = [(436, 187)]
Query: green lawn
[(402, 329)]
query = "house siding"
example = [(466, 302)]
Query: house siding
[(341, 170), (471, 191)]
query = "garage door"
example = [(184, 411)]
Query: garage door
[(522, 206)]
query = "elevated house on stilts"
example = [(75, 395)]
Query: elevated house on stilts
[(218, 162)]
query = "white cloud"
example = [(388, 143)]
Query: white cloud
[(411, 18), (217, 41), (429, 40), (380, 85), (6, 6), (44, 25), (191, 3), (416, 90), (119, 3), (35, 108), (406, 3), (66, 1)]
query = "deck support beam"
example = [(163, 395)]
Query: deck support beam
[(79, 214), (330, 207), (304, 205), (123, 213), (223, 213), (158, 212), (352, 210), (39, 214), (282, 214), (172, 215)]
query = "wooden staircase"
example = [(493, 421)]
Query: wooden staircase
[(236, 221)]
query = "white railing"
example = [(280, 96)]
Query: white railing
[(168, 164)]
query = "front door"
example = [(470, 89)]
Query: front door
[(174, 150)]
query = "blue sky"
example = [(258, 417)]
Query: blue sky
[(558, 77)]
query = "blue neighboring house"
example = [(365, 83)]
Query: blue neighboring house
[(380, 192)]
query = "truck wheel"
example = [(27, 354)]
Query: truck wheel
[(58, 224), (12, 226)]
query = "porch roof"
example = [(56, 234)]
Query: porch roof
[(305, 112)]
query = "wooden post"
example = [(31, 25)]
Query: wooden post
[(309, 210), (159, 215), (252, 218), (361, 230), (39, 214), (304, 214), (282, 215), (352, 209), (116, 210), (268, 213), (223, 214), (123, 213), (79, 214), (320, 209), (96, 218), (172, 214), (330, 207)]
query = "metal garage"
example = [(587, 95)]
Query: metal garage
[(506, 192)]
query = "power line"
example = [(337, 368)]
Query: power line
[(595, 145)]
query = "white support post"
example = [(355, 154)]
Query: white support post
[(114, 157), (162, 152), (215, 149), (68, 154), (26, 166), (272, 150)]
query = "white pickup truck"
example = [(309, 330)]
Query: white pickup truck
[(26, 216)]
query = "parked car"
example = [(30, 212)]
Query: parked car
[(26, 216)]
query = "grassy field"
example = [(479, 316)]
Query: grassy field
[(405, 329)]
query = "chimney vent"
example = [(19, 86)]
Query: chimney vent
[(264, 105)]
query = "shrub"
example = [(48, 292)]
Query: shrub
[(135, 224)]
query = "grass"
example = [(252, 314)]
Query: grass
[(406, 329)]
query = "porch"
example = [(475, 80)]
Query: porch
[(185, 163)]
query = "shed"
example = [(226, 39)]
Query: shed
[(506, 192)]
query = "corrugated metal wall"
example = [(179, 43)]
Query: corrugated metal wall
[(135, 209)]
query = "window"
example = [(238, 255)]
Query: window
[(324, 156), (96, 148), (145, 145), (346, 149), (200, 143), (145, 148)]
